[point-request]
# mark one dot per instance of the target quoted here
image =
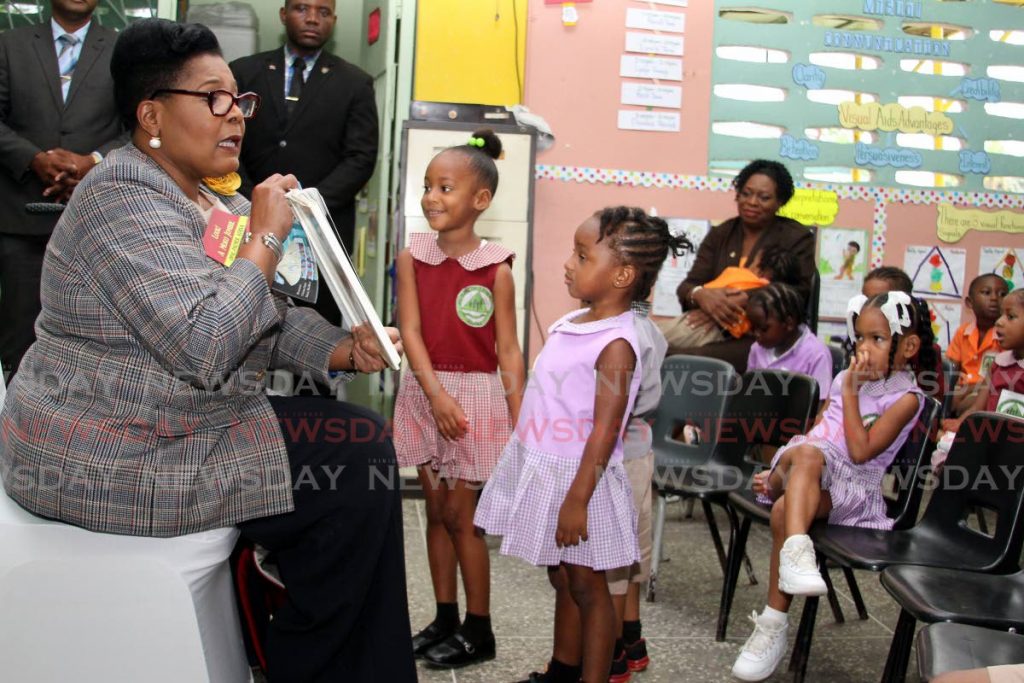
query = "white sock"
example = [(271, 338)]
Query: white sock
[(774, 616)]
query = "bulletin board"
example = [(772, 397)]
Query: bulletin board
[(581, 80), (908, 67)]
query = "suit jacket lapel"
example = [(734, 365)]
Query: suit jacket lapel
[(322, 71), (47, 54), (273, 72), (94, 44)]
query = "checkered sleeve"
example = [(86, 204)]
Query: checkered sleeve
[(149, 269), (306, 343)]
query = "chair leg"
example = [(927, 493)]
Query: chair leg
[(751, 576), (804, 634), (858, 600), (737, 548), (899, 650), (833, 599), (688, 507), (659, 531), (716, 537)]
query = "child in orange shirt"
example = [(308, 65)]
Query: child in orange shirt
[(974, 345), (774, 265)]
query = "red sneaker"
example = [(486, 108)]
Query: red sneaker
[(620, 670), (636, 655)]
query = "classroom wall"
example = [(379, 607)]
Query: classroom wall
[(470, 51), (572, 80)]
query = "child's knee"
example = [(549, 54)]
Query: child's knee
[(805, 455), (456, 518), (584, 586)]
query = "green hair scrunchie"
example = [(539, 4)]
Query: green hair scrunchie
[(476, 142)]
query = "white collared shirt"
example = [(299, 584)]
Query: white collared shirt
[(76, 51)]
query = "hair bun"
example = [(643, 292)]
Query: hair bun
[(492, 143)]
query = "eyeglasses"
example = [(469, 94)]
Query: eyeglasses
[(220, 101)]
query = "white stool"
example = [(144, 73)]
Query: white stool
[(102, 608)]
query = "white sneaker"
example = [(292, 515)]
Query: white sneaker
[(798, 568), (763, 650)]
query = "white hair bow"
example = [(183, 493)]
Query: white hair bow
[(896, 310)]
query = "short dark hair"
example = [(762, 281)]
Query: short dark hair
[(898, 280), (774, 170), (976, 282), (782, 264), (150, 55), (481, 158), (1017, 294), (855, 245)]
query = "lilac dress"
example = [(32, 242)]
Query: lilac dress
[(522, 499), (856, 490)]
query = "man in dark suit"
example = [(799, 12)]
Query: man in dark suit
[(318, 120), (57, 120)]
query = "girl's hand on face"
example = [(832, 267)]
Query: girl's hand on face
[(860, 371), (451, 420), (572, 524)]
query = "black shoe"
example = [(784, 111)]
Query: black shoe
[(457, 651), (535, 677), (429, 637)]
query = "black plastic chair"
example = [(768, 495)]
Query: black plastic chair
[(771, 407), (950, 376), (942, 648), (838, 360), (813, 299), (934, 594), (987, 449), (694, 391)]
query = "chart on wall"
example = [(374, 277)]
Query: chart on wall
[(946, 316), (675, 268), (883, 92), (936, 271), (1002, 261), (842, 264)]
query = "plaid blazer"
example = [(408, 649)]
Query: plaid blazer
[(141, 408)]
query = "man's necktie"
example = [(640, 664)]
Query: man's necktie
[(295, 87), (66, 61)]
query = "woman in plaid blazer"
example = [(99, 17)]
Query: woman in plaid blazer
[(142, 410)]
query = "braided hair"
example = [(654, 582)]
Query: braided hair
[(780, 301), (921, 325), (641, 241), (481, 158)]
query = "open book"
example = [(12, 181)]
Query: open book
[(336, 268)]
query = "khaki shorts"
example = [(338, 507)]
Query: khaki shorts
[(1007, 673), (680, 335), (640, 472)]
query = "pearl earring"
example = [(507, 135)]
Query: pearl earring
[(155, 142)]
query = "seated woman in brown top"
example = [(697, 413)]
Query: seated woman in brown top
[(762, 188)]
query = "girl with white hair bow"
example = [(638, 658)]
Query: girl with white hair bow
[(836, 470)]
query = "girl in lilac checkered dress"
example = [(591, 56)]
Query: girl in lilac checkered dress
[(454, 410), (836, 470), (560, 496)]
